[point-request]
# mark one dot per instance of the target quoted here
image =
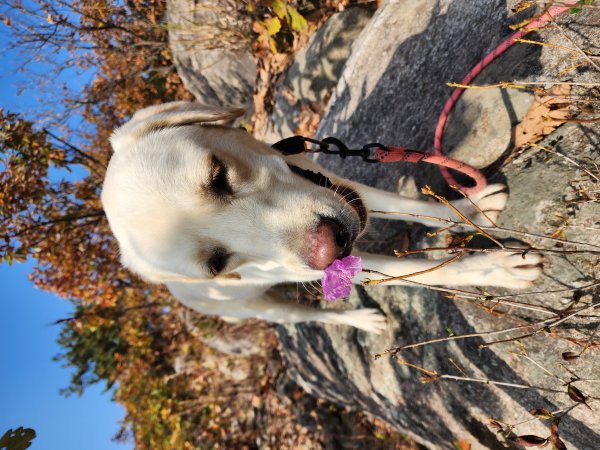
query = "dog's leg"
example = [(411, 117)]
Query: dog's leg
[(268, 306), (514, 270), (491, 200)]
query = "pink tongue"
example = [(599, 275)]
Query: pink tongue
[(323, 248)]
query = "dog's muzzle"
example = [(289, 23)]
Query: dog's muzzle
[(348, 194)]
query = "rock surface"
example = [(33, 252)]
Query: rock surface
[(392, 90), (210, 53), (310, 80)]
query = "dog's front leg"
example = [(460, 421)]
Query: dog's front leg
[(505, 269), (491, 200), (271, 307)]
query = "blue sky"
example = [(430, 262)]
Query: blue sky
[(29, 380)]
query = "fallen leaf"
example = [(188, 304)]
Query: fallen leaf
[(570, 356), (463, 444), (548, 112), (528, 440), (542, 413), (576, 395)]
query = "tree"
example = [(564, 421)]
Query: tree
[(179, 393)]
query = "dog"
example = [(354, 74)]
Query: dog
[(220, 218)]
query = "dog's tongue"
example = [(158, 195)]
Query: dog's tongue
[(337, 278)]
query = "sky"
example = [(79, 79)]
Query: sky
[(29, 380)]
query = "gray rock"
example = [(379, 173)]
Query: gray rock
[(313, 76), (211, 52), (392, 90)]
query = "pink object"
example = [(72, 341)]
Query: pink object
[(439, 130), (337, 278), (395, 154)]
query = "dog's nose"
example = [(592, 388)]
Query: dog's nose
[(328, 242)]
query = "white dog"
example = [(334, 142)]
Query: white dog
[(220, 218)]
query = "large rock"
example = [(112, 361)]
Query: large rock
[(209, 43), (391, 91), (309, 82)]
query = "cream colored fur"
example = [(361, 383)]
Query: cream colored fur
[(168, 225)]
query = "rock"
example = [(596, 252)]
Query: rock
[(211, 51), (392, 90), (310, 80)]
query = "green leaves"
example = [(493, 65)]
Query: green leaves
[(18, 439), (276, 32)]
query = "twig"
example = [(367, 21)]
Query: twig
[(368, 282), (540, 236), (75, 149), (396, 350), (500, 299), (567, 37), (531, 360), (457, 189), (427, 190), (545, 328), (499, 383), (547, 44), (543, 325), (519, 84), (491, 250), (566, 158), (496, 229), (418, 216)]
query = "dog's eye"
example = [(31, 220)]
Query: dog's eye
[(218, 261), (218, 182)]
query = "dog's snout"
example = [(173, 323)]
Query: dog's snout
[(327, 242)]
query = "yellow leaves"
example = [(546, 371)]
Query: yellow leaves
[(266, 29), (276, 32), (463, 444), (550, 109), (272, 26)]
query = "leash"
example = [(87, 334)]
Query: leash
[(376, 152)]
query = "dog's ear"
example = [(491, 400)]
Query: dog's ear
[(170, 115)]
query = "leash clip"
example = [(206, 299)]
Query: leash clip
[(343, 151), (329, 146)]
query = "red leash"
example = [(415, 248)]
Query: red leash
[(296, 144), (480, 181)]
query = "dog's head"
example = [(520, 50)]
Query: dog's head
[(191, 199)]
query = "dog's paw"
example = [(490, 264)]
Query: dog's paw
[(490, 202), (510, 269), (368, 319)]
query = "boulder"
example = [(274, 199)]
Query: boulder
[(309, 82), (391, 91), (211, 51)]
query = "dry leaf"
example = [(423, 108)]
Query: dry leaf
[(542, 413), (463, 444), (550, 109), (528, 440), (570, 356)]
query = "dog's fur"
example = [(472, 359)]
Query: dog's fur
[(220, 218)]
